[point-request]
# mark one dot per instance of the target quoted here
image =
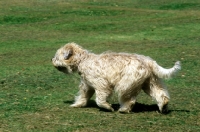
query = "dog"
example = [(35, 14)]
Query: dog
[(126, 74)]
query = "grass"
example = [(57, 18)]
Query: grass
[(36, 97)]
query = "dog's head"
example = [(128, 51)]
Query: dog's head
[(68, 57)]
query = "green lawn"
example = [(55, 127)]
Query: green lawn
[(36, 97)]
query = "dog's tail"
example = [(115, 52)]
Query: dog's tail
[(166, 73)]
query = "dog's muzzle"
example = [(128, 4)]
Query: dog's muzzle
[(61, 68)]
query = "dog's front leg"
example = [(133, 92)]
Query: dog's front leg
[(84, 94), (101, 99)]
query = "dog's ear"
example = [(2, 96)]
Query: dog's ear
[(68, 54)]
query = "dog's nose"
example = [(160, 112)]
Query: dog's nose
[(60, 68)]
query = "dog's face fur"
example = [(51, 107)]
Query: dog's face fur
[(65, 58), (61, 60)]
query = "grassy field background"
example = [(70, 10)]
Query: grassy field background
[(36, 97)]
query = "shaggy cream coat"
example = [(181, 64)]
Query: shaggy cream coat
[(126, 74)]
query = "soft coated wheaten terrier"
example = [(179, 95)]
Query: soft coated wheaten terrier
[(124, 73)]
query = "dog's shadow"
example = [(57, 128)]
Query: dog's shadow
[(138, 107)]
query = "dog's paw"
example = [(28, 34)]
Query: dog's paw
[(165, 109), (76, 105), (124, 110), (112, 110)]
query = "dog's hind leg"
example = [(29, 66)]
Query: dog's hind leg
[(156, 89), (85, 93), (129, 87), (127, 99)]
